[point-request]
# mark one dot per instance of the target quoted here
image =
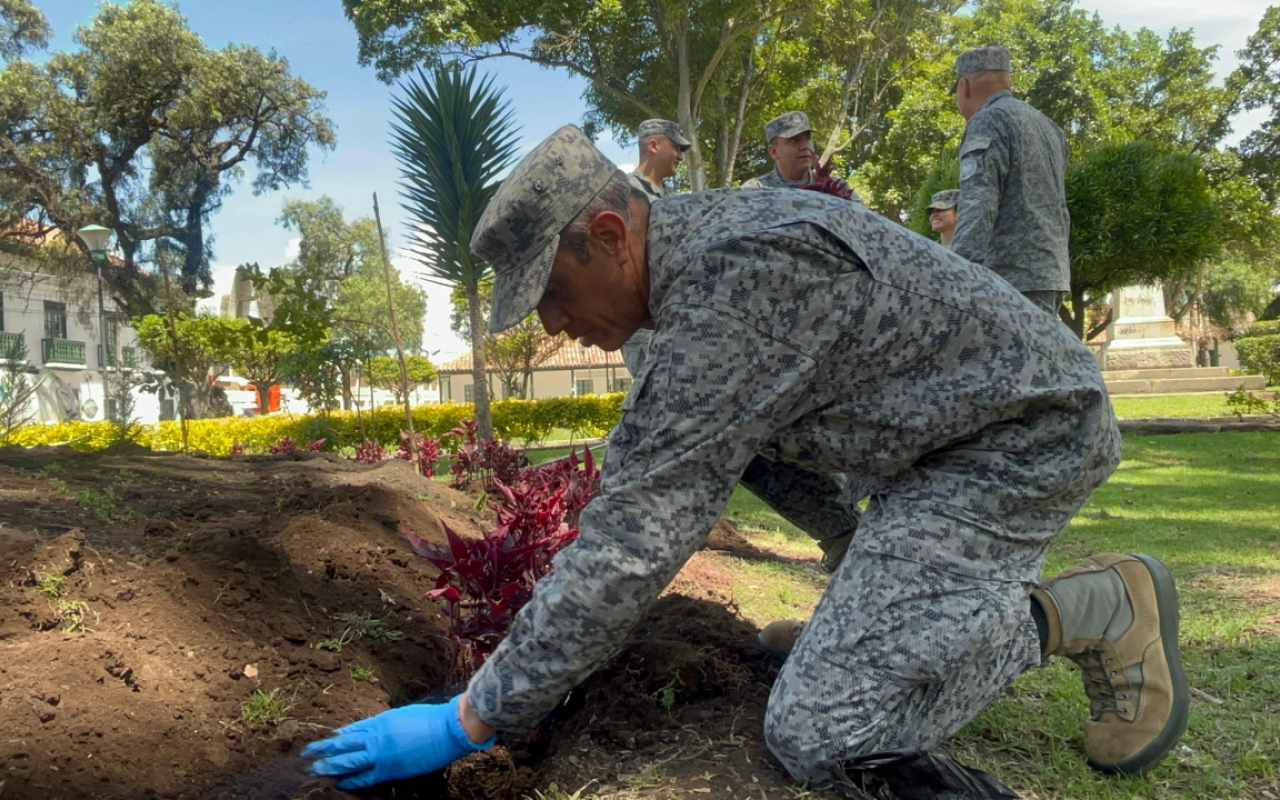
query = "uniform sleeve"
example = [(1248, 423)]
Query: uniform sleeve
[(714, 389), (984, 163)]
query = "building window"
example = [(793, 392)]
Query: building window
[(112, 339), (584, 386), (469, 393), (621, 384), (55, 320)]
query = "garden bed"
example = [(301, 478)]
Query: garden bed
[(179, 628)]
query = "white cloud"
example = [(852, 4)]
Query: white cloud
[(292, 249), (627, 167)]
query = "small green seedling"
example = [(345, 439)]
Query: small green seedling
[(666, 696), (264, 708), (362, 674), (102, 505), (363, 625), (50, 585), (72, 613)]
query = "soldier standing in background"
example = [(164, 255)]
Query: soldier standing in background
[(1013, 161), (790, 139), (662, 148), (942, 214)]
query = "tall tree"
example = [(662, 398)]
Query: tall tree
[(144, 129), (654, 57), (453, 135), (1139, 215), (339, 263), (22, 27)]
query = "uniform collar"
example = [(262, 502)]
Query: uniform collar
[(997, 96)]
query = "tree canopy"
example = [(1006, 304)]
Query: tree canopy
[(146, 130)]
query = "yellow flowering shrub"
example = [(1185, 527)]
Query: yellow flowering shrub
[(527, 420)]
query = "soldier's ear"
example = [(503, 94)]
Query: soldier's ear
[(608, 232)]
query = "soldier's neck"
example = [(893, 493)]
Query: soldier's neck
[(646, 170)]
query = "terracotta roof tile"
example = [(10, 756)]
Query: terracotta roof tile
[(571, 356)]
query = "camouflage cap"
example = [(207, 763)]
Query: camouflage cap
[(941, 201), (992, 58), (665, 127), (519, 232), (792, 123)]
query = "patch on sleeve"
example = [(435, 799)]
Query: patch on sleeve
[(971, 155)]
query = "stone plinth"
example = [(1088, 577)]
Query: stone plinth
[(1142, 335)]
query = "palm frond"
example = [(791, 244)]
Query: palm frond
[(453, 134)]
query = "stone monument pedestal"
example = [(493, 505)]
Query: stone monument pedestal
[(1142, 335)]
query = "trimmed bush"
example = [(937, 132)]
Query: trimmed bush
[(527, 420), (1261, 354), (1262, 328)]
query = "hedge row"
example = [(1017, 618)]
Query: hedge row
[(1259, 350), (530, 421)]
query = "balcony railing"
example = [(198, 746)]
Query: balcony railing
[(127, 357), (63, 351), (7, 343)]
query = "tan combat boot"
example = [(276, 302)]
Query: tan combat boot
[(1116, 616), (780, 637)]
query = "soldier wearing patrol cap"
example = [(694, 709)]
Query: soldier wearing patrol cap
[(942, 214), (796, 328), (1013, 160), (790, 139), (662, 148)]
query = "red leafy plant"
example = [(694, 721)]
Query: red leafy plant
[(481, 461), (369, 452), (485, 582), (821, 180), (428, 451), (287, 444), (237, 448)]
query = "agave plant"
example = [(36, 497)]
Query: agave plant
[(453, 135)]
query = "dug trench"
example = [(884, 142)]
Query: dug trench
[(173, 627)]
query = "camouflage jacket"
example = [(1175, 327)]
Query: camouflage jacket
[(819, 334), (1012, 215), (773, 180)]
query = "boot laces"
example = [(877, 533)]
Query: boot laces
[(1097, 685)]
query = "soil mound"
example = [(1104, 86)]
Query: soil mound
[(177, 627)]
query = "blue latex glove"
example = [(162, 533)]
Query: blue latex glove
[(400, 743)]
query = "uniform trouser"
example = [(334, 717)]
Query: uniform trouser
[(823, 506), (898, 655)]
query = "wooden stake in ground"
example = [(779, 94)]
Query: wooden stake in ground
[(177, 362), (395, 334)]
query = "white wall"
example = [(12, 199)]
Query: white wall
[(67, 391)]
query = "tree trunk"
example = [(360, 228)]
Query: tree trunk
[(479, 378), (735, 141), (697, 170), (1076, 319), (264, 395)]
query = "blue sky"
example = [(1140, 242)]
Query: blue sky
[(320, 45)]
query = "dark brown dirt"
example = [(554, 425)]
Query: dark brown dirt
[(188, 584)]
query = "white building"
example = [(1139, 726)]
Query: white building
[(62, 333)]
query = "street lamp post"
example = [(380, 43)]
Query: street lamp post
[(96, 238)]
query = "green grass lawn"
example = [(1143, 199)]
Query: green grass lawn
[(1209, 506), (1200, 404)]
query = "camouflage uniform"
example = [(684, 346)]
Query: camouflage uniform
[(792, 123), (821, 335), (1013, 206)]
